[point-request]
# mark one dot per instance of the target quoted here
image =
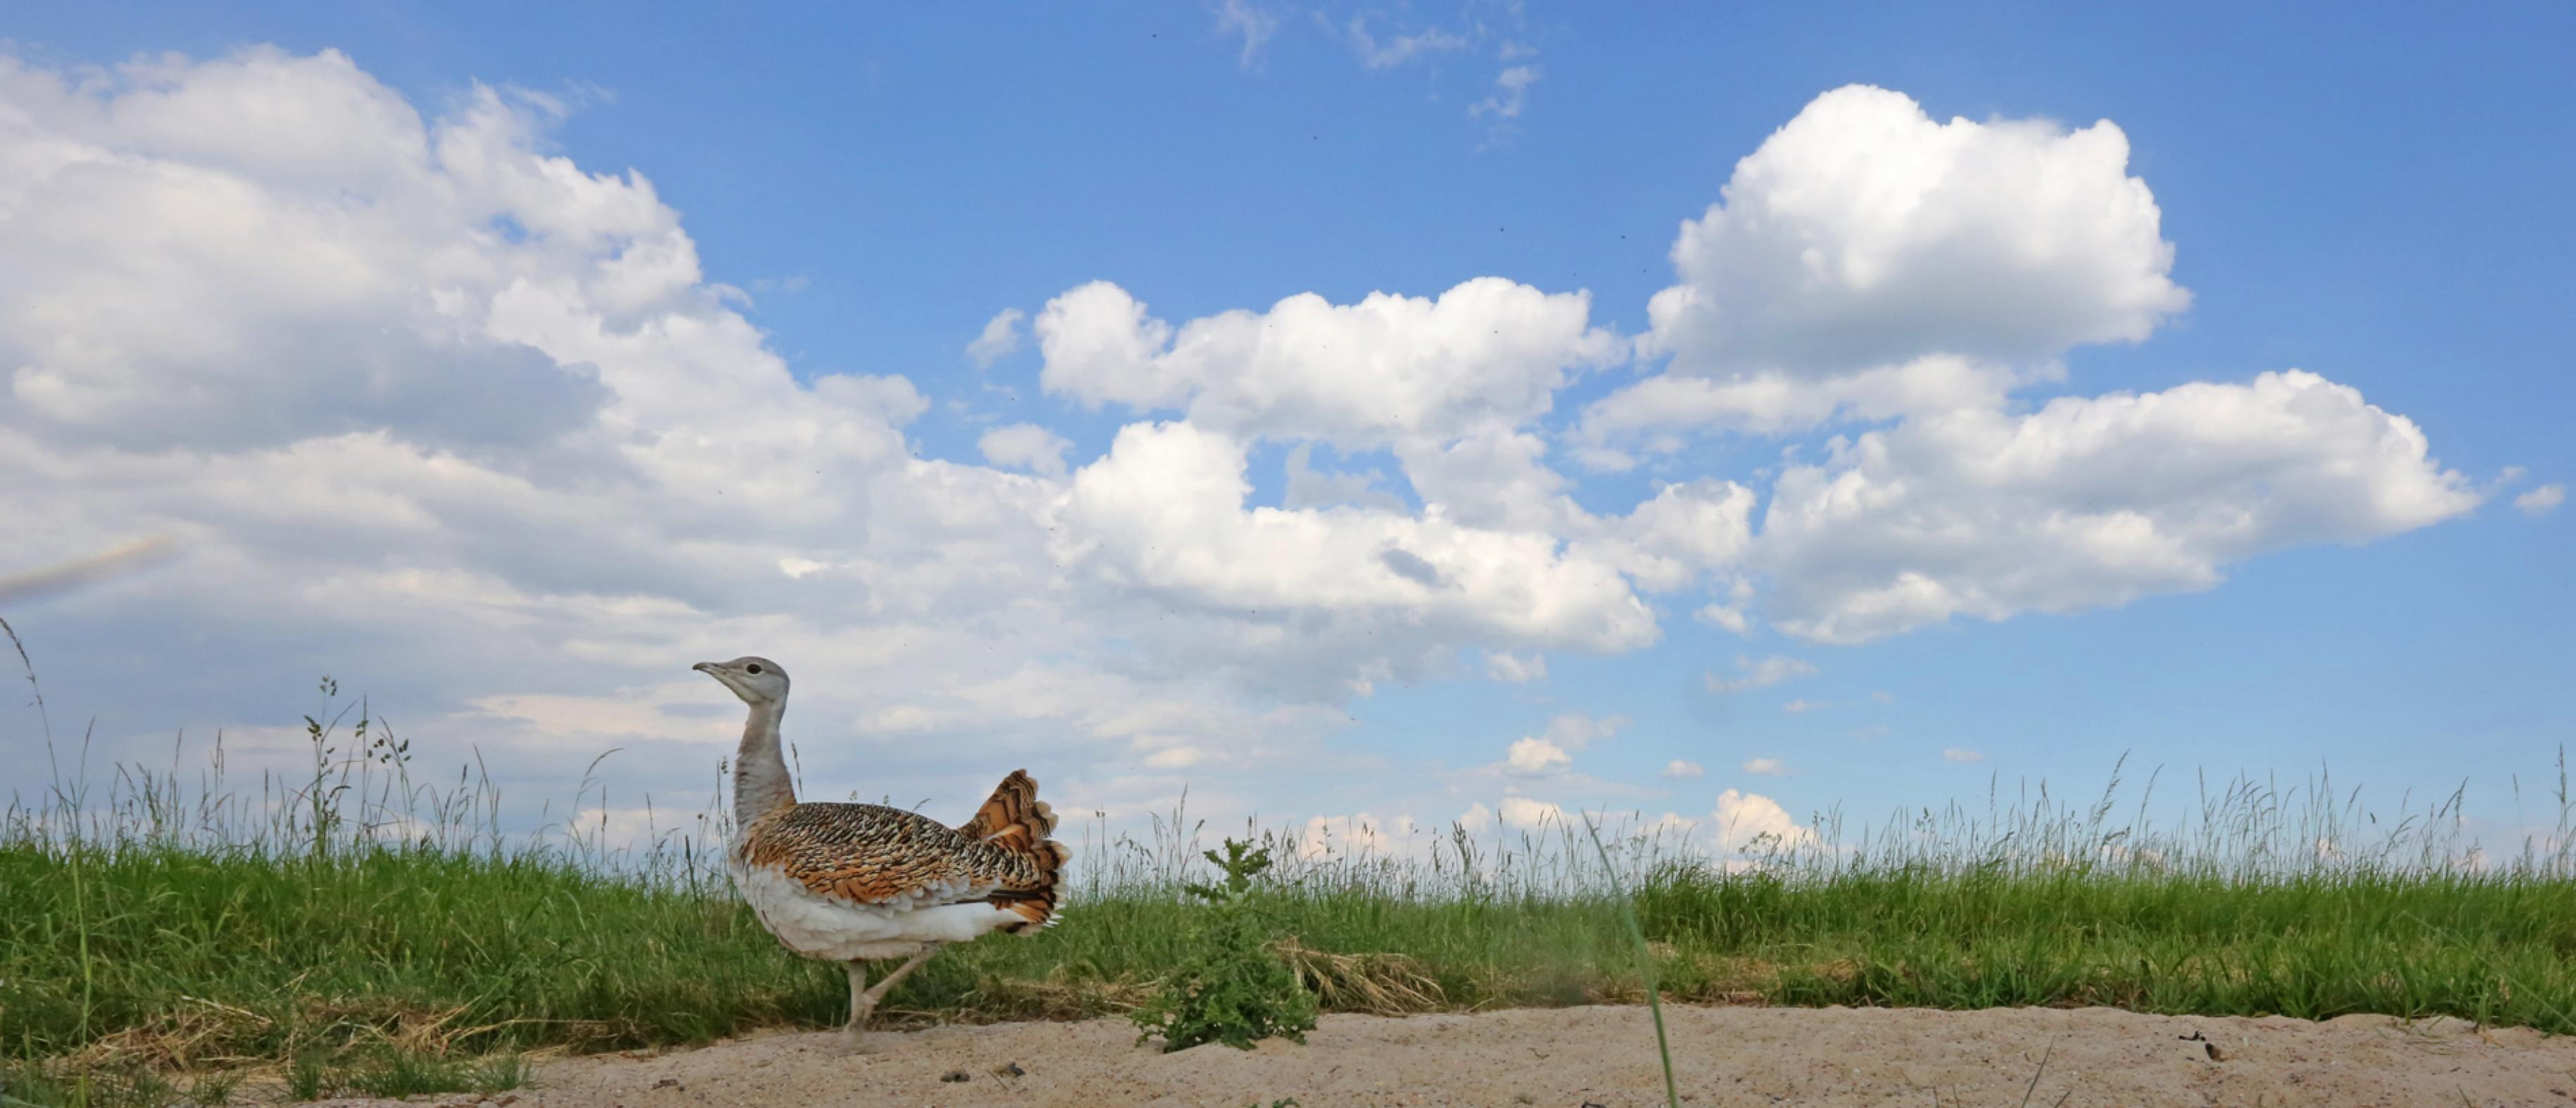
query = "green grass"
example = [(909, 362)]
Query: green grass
[(210, 960), (384, 937)]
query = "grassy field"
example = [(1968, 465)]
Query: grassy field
[(352, 931)]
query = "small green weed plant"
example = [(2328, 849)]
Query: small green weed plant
[(1230, 986)]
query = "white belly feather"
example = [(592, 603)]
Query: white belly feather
[(819, 926)]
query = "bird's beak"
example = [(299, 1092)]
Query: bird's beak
[(708, 668)]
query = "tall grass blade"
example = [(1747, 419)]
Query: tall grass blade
[(1645, 962)]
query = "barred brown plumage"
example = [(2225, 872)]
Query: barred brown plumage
[(852, 882), (873, 854)]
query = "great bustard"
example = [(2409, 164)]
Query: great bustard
[(854, 882)]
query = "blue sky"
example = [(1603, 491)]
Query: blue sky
[(2369, 197)]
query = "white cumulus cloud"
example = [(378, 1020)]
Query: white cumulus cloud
[(1869, 261), (1025, 446), (1752, 822), (1514, 668), (1524, 814), (1547, 752), (1487, 355), (1164, 513), (1866, 233), (418, 390), (2087, 502), (2540, 501), (999, 339), (1533, 756)]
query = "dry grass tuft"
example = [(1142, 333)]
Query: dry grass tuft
[(1065, 993), (201, 1033), (1378, 984)]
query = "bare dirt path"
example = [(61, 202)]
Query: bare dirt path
[(1567, 1058)]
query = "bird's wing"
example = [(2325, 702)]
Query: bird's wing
[(870, 854)]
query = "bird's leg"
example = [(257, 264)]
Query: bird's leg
[(861, 1003), (887, 982)]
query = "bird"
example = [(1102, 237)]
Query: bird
[(855, 883)]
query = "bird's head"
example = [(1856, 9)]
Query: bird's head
[(756, 680)]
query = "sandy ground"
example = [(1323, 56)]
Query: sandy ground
[(1568, 1058)]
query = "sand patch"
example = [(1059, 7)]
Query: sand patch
[(1569, 1057)]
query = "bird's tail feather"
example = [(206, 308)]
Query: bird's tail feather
[(1016, 820)]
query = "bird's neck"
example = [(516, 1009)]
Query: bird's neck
[(760, 781)]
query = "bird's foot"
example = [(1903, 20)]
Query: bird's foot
[(856, 1041)]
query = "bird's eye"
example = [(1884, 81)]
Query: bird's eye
[(753, 669)]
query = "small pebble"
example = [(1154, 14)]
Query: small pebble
[(953, 1075)]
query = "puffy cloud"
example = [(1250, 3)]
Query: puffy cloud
[(371, 370), (1447, 385), (1670, 541), (999, 339), (1524, 814), (1751, 822), (1868, 262), (1101, 347), (1164, 514), (1760, 674), (1486, 355), (234, 255), (1865, 233), (2088, 502), (1546, 753), (1574, 730), (1730, 612), (1657, 409), (322, 266), (1533, 756), (2540, 501), (1681, 770), (1513, 668), (1954, 754), (1025, 446), (1499, 551), (1767, 767)]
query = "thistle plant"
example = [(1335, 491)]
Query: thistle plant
[(1232, 987)]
